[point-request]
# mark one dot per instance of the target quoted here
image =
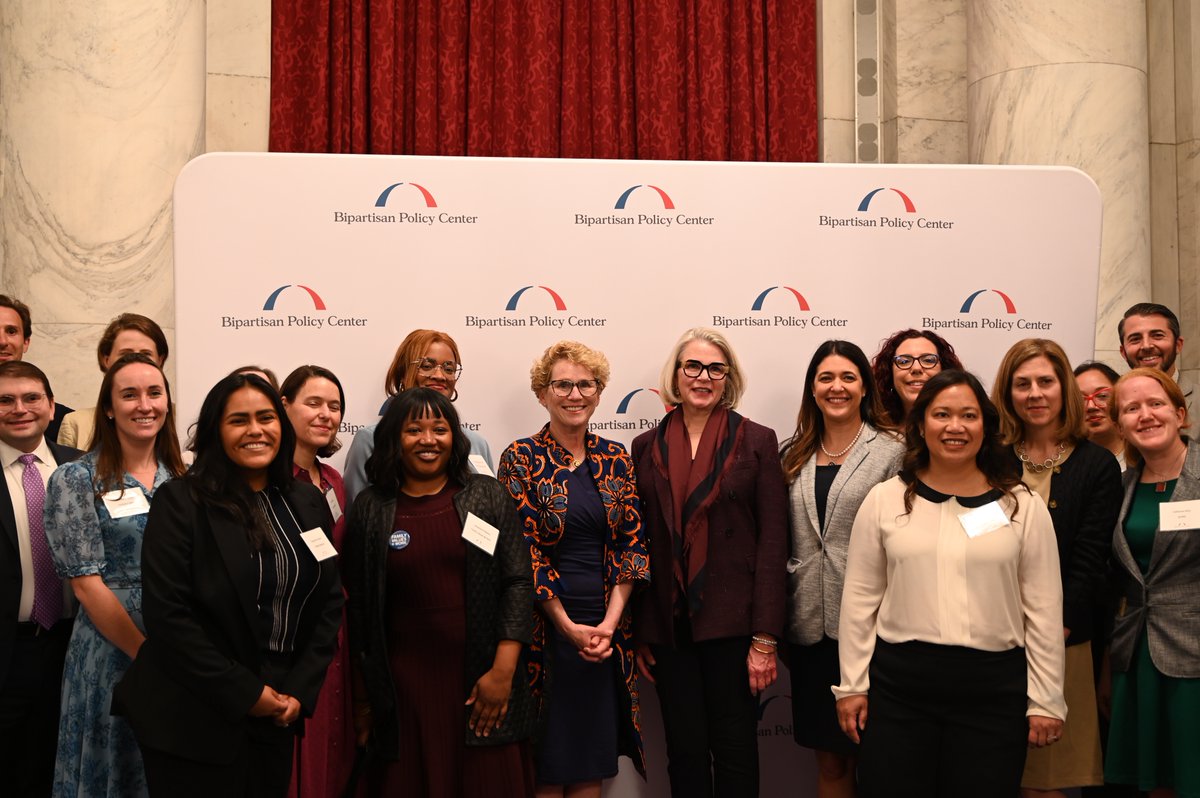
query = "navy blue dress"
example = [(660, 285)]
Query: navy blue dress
[(579, 743)]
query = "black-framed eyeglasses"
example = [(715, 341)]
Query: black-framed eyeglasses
[(448, 367), (694, 368), (1099, 398), (585, 387), (905, 362)]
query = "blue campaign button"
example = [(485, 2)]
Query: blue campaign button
[(399, 539)]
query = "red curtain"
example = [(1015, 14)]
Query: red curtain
[(669, 79)]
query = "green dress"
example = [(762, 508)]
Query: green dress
[(1154, 736)]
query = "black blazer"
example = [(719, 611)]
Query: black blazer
[(1085, 498), (195, 679), (10, 562)]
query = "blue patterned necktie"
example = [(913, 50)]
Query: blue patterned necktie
[(47, 588)]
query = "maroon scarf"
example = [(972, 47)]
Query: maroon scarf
[(695, 484)]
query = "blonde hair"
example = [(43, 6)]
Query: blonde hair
[(735, 382), (1133, 457), (573, 351), (1072, 425)]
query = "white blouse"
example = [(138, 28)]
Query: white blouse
[(921, 576)]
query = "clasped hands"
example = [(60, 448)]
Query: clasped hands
[(594, 642), (282, 709)]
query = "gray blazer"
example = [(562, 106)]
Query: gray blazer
[(1166, 600), (817, 564)]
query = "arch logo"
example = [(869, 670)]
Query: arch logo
[(643, 204), (535, 306), (987, 309), (639, 410), (293, 306), (407, 203), (886, 207), (778, 306)]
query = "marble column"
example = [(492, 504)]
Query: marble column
[(101, 105), (1185, 174), (1065, 83)]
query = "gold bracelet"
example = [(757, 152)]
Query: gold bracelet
[(766, 641), (761, 651)]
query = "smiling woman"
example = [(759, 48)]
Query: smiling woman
[(950, 696), (96, 518), (242, 606)]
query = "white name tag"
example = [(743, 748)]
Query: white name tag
[(480, 533), (982, 520), (480, 465), (334, 507), (122, 504), (318, 544), (1177, 516)]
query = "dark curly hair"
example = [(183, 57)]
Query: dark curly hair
[(881, 368), (385, 466), (994, 459)]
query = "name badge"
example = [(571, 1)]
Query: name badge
[(480, 533), (122, 504), (479, 465), (318, 544), (334, 507), (1178, 516), (399, 540), (982, 520)]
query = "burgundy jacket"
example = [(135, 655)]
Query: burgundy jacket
[(746, 564)]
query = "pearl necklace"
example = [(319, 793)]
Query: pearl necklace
[(842, 453), (1038, 468)]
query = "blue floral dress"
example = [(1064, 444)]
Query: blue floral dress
[(97, 753)]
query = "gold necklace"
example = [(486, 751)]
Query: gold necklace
[(1049, 462)]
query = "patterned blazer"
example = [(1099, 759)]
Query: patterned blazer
[(534, 471), (1165, 601)]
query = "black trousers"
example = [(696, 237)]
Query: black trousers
[(30, 700), (710, 717), (944, 722)]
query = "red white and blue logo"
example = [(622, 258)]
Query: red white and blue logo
[(667, 203), (969, 302), (786, 289), (385, 195), (513, 300), (777, 306), (623, 405), (273, 297), (865, 204)]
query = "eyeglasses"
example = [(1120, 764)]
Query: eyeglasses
[(8, 402), (694, 368), (905, 362), (585, 387), (429, 365), (1099, 398)]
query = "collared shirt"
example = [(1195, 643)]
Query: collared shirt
[(14, 471)]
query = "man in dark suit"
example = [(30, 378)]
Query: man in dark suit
[(35, 606), (16, 327)]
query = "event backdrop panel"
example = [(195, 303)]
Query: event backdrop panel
[(289, 259)]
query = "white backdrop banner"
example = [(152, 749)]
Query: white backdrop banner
[(282, 260)]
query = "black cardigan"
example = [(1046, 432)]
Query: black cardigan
[(1085, 499), (499, 606)]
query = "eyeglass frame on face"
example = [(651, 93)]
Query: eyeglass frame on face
[(1093, 397), (896, 361), (428, 365), (701, 368), (586, 388), (8, 402)]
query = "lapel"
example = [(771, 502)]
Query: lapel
[(849, 466), (1186, 489), (1120, 544), (808, 490), (658, 473), (7, 519), (238, 559)]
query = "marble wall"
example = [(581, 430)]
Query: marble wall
[(101, 105), (1175, 147), (239, 75)]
